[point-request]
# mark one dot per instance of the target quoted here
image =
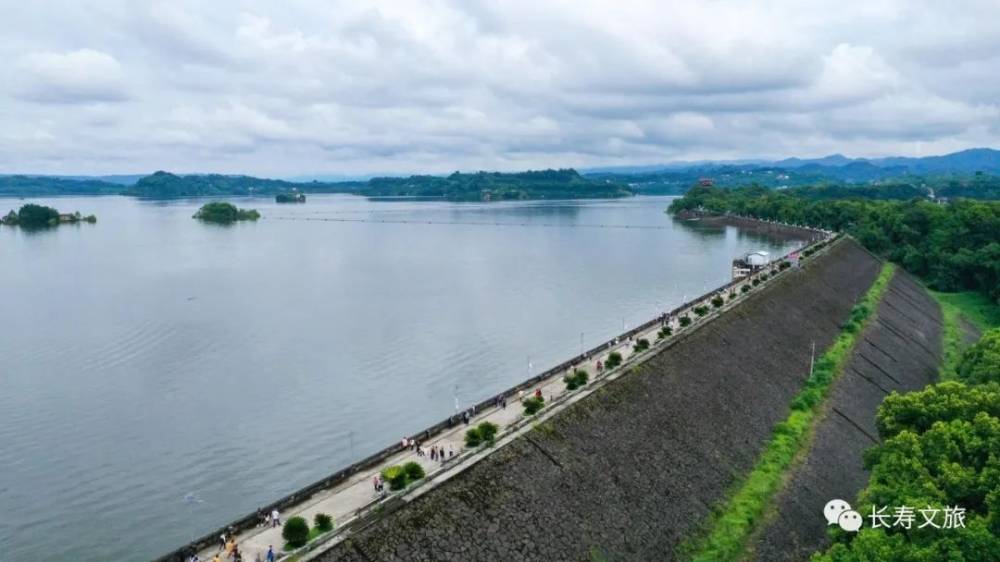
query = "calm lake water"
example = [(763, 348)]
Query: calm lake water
[(161, 377)]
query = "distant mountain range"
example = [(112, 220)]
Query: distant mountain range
[(674, 178), (965, 161)]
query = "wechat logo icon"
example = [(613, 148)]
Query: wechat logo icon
[(839, 512)]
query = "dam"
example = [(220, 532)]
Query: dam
[(634, 465)]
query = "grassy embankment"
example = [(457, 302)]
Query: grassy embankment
[(727, 533), (976, 309)]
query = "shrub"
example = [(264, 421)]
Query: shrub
[(483, 433), (295, 532), (532, 405), (395, 476), (764, 276), (701, 310), (641, 345), (684, 320), (472, 438), (732, 295), (784, 265), (614, 359), (323, 522), (717, 302), (576, 379), (665, 332), (413, 471), (755, 282), (745, 289)]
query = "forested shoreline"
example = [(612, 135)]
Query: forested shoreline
[(953, 246)]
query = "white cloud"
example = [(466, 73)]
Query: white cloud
[(84, 75), (436, 85)]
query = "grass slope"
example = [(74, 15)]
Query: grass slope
[(729, 529), (975, 308)]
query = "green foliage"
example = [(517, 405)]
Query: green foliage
[(413, 471), (784, 265), (665, 332), (732, 525), (701, 310), (224, 213), (295, 532), (981, 362), (940, 449), (745, 289), (641, 345), (323, 522), (718, 301), (917, 411), (684, 321), (958, 311), (395, 476), (953, 247), (485, 432), (576, 379), (37, 216), (755, 281), (532, 405), (614, 359)]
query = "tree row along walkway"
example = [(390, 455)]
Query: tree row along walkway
[(356, 498)]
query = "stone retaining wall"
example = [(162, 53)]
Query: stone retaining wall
[(899, 351)]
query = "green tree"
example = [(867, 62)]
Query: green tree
[(981, 362), (37, 216)]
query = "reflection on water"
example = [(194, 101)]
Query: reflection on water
[(163, 376)]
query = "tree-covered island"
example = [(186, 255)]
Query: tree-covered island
[(40, 216), (221, 212)]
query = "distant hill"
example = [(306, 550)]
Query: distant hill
[(969, 173), (492, 186), (35, 186), (965, 161)]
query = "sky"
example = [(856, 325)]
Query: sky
[(293, 88)]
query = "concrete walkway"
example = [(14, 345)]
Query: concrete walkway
[(343, 501)]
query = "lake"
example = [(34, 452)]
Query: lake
[(162, 376)]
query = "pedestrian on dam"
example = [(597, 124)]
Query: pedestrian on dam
[(270, 554), (222, 541), (275, 518)]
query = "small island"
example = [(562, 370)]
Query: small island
[(225, 213), (40, 216), (290, 198)]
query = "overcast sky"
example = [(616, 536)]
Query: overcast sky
[(303, 87)]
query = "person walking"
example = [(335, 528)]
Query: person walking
[(270, 554), (275, 518)]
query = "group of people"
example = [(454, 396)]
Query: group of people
[(228, 549), (272, 519)]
